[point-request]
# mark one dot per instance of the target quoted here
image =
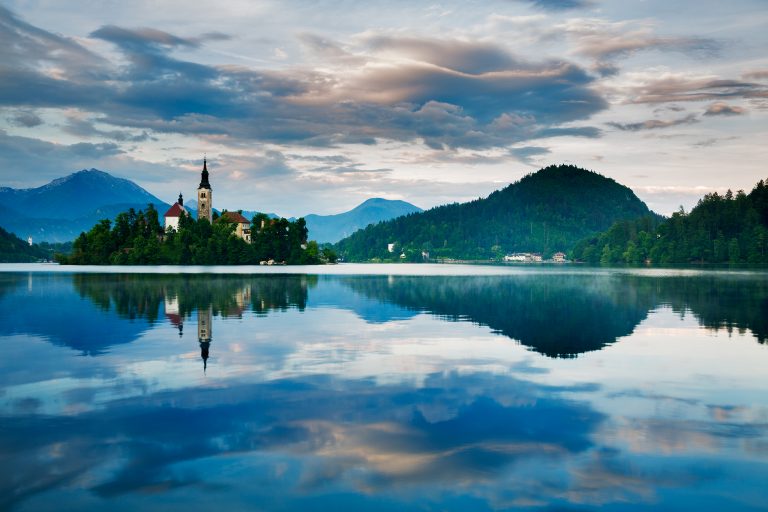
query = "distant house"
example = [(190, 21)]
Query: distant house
[(518, 257), (390, 247), (558, 257), (174, 213), (523, 257), (243, 225)]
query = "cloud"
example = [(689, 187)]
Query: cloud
[(25, 119), (526, 153), (720, 108), (50, 160), (85, 128), (444, 93), (650, 87), (653, 124), (559, 5), (605, 41), (760, 74)]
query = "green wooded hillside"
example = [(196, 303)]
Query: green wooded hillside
[(730, 228), (546, 211), (15, 250)]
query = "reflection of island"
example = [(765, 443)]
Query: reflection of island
[(141, 295), (121, 307), (563, 315), (178, 297)]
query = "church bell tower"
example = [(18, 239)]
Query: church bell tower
[(205, 196)]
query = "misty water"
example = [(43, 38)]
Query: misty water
[(418, 387)]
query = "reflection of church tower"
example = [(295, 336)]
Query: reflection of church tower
[(205, 196), (204, 326)]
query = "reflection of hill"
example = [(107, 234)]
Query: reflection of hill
[(333, 293), (46, 305), (565, 315), (556, 315)]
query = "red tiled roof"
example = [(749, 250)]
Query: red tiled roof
[(235, 217), (174, 211)]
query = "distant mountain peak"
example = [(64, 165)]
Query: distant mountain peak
[(332, 228), (59, 210)]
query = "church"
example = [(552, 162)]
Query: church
[(205, 209)]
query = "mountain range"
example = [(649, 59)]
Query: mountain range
[(65, 207), (546, 211)]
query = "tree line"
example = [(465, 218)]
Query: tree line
[(728, 228), (138, 238)]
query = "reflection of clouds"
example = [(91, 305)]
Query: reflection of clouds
[(349, 433), (684, 436)]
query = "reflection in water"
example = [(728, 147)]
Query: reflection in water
[(564, 315), (560, 316), (205, 333), (340, 393)]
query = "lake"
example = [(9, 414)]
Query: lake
[(383, 387)]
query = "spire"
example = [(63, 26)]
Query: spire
[(204, 179), (204, 346), (181, 200)]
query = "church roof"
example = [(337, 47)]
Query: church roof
[(174, 211), (204, 177), (235, 217)]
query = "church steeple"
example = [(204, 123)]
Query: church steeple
[(181, 200), (204, 180), (205, 195)]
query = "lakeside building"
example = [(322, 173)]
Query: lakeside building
[(523, 257), (534, 257)]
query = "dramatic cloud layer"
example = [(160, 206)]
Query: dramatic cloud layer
[(447, 90)]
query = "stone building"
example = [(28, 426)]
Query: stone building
[(243, 225)]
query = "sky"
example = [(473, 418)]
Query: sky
[(314, 106)]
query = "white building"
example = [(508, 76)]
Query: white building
[(174, 213)]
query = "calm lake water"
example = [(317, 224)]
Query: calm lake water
[(419, 388)]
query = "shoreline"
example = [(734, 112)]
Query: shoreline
[(379, 269)]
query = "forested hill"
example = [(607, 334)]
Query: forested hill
[(730, 228), (13, 249), (546, 211)]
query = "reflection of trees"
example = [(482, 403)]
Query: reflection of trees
[(141, 295), (565, 315), (722, 302)]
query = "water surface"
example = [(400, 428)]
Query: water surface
[(464, 388)]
